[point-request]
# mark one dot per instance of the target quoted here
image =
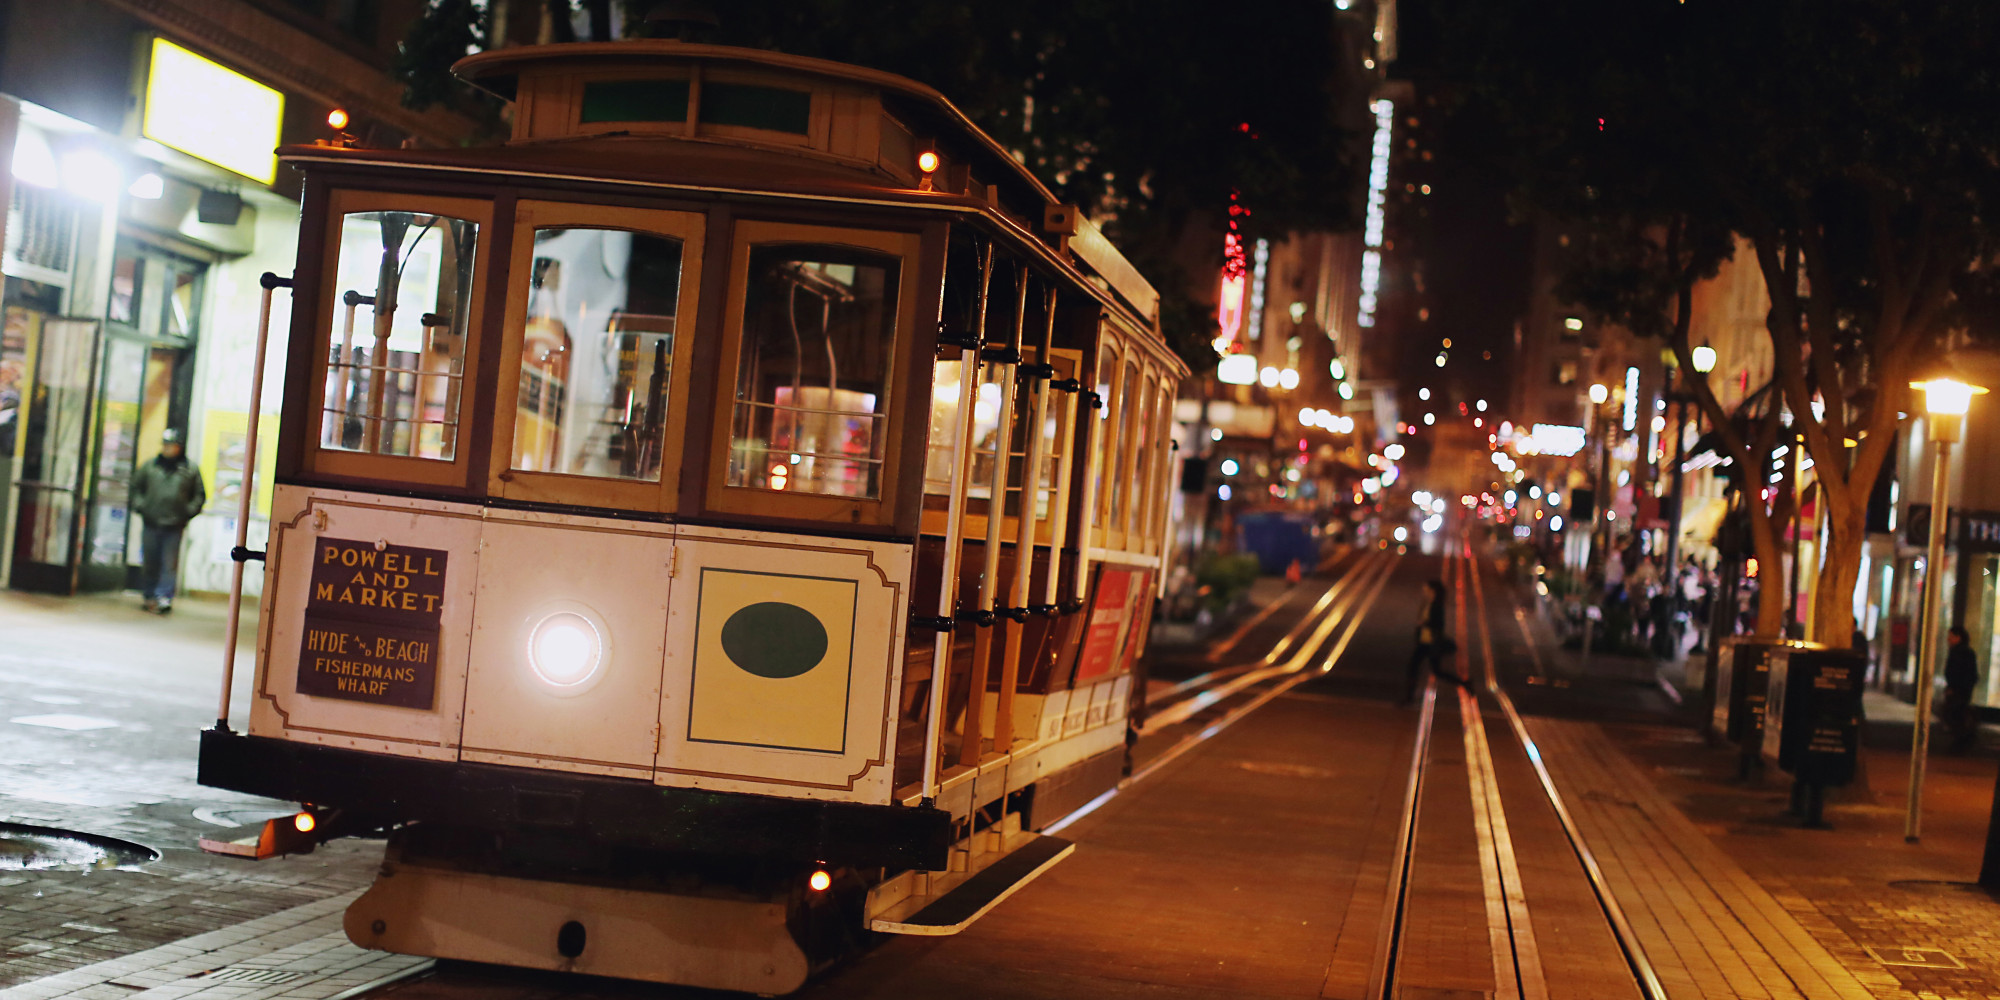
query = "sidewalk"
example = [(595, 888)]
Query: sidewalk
[(100, 707), (1896, 919)]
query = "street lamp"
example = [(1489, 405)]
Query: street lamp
[(1945, 402)]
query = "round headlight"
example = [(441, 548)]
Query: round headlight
[(565, 649)]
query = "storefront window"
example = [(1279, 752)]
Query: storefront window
[(597, 353), (396, 362), (812, 379)]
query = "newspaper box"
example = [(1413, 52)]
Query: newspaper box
[(1813, 713)]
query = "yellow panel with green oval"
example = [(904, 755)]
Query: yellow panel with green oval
[(772, 658)]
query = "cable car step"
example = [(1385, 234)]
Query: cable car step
[(260, 841), (962, 898)]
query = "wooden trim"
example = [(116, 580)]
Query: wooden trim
[(296, 424), (563, 488), (918, 359), (488, 371), (391, 468), (723, 498)]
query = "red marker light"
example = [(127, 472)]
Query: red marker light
[(337, 118), (927, 161)]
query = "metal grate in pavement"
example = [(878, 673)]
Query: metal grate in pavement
[(1926, 958), (255, 977)]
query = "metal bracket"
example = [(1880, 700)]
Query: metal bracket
[(241, 554), (270, 281), (1092, 400), (1046, 610), (1029, 373), (1066, 385), (983, 619), (964, 340), (1001, 355), (935, 623), (1072, 606), (1018, 615)]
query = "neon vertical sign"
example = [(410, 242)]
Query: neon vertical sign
[(1378, 201)]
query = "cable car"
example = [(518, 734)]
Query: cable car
[(713, 526)]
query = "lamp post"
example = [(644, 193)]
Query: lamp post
[(1704, 362), (1945, 403)]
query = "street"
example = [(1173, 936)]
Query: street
[(1256, 853)]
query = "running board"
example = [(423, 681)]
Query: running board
[(957, 899)]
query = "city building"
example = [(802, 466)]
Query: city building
[(143, 204)]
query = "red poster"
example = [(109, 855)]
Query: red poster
[(1110, 612)]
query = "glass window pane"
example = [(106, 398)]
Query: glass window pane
[(396, 365), (812, 380), (1115, 474), (597, 353)]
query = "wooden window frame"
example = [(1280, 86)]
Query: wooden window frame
[(878, 511), (331, 462), (691, 228)]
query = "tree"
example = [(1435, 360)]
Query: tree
[(1147, 114), (1855, 144)]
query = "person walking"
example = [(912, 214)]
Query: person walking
[(167, 493), (1433, 642), (1961, 675)]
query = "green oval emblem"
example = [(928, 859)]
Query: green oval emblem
[(774, 639)]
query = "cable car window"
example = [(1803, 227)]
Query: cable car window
[(1117, 472), (1106, 458), (945, 388), (813, 373), (634, 101), (749, 106), (1139, 490), (396, 361), (597, 353)]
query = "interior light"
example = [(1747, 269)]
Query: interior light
[(927, 161), (149, 186), (337, 118), (304, 822), (34, 163), (90, 174), (565, 649), (820, 880)]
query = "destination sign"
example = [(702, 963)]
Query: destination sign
[(372, 622)]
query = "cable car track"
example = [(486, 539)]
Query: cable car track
[(1518, 971)]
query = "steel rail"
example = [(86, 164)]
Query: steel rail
[(1629, 946)]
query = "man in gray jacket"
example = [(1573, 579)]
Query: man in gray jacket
[(167, 493)]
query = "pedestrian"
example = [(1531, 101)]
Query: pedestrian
[(1434, 643), (167, 493), (1961, 675)]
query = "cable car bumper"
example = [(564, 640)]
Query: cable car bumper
[(390, 790)]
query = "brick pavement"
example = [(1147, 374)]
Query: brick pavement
[(1859, 885), (147, 686)]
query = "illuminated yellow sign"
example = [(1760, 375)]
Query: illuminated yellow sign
[(207, 110)]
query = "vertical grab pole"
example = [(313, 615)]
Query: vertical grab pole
[(244, 492), (954, 523), (1024, 534), (1094, 441), (969, 751)]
